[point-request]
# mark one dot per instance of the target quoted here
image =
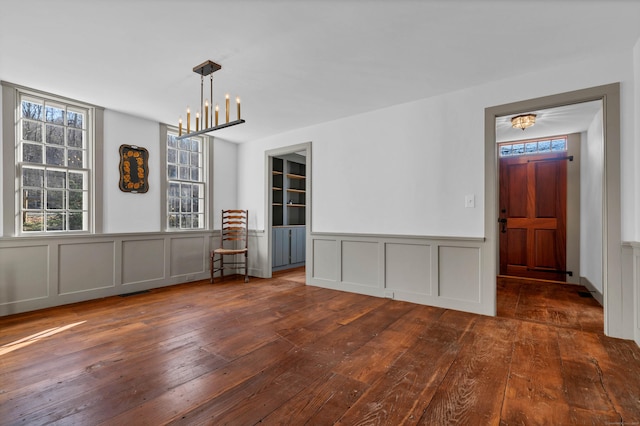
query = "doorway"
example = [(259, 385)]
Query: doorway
[(610, 201), (288, 207), (533, 207)]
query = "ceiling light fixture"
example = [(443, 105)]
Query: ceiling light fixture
[(523, 121), (210, 115)]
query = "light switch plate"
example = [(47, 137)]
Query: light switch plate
[(470, 201)]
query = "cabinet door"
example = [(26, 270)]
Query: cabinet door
[(280, 249), (298, 245)]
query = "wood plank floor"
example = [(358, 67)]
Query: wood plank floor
[(278, 352)]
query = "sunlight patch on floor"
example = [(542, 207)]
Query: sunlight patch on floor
[(10, 347)]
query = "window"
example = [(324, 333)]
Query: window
[(186, 183), (542, 146), (54, 164)]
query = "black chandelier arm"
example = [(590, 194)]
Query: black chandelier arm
[(210, 129)]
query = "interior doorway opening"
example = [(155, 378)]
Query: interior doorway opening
[(541, 201), (288, 207), (609, 204)]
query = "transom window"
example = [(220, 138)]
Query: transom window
[(186, 183), (542, 146), (53, 162)]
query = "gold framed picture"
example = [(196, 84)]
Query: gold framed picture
[(134, 169)]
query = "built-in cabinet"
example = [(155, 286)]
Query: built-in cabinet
[(288, 211), (288, 246)]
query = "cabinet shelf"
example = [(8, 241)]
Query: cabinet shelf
[(292, 176), (288, 188)]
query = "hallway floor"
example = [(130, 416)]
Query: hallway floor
[(561, 305)]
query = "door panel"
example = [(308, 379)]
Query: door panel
[(533, 194), (545, 258), (517, 201), (546, 192), (517, 240)]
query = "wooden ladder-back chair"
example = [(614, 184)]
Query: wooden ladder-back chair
[(234, 241)]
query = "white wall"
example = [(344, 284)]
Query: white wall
[(1, 162), (123, 211), (591, 218), (406, 169), (225, 178)]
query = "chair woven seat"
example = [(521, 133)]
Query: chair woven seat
[(229, 251)]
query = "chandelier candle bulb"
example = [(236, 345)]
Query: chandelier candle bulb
[(180, 126), (206, 114), (227, 105), (197, 121), (238, 103), (188, 120), (217, 108)]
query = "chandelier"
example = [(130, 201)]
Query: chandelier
[(209, 121), (523, 121)]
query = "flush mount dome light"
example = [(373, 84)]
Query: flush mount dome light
[(523, 121)]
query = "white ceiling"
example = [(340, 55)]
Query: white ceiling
[(550, 122), (294, 63)]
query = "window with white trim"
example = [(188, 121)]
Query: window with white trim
[(186, 183), (54, 164)]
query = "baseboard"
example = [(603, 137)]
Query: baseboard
[(593, 290), (289, 266)]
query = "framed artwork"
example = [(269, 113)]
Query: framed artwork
[(134, 169)]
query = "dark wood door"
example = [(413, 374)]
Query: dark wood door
[(533, 209)]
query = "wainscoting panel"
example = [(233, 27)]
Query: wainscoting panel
[(456, 282), (188, 256), (142, 260), (355, 255), (436, 271), (408, 268), (40, 272), (325, 260), (85, 266), (26, 264)]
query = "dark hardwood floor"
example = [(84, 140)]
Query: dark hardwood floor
[(561, 305), (278, 352)]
